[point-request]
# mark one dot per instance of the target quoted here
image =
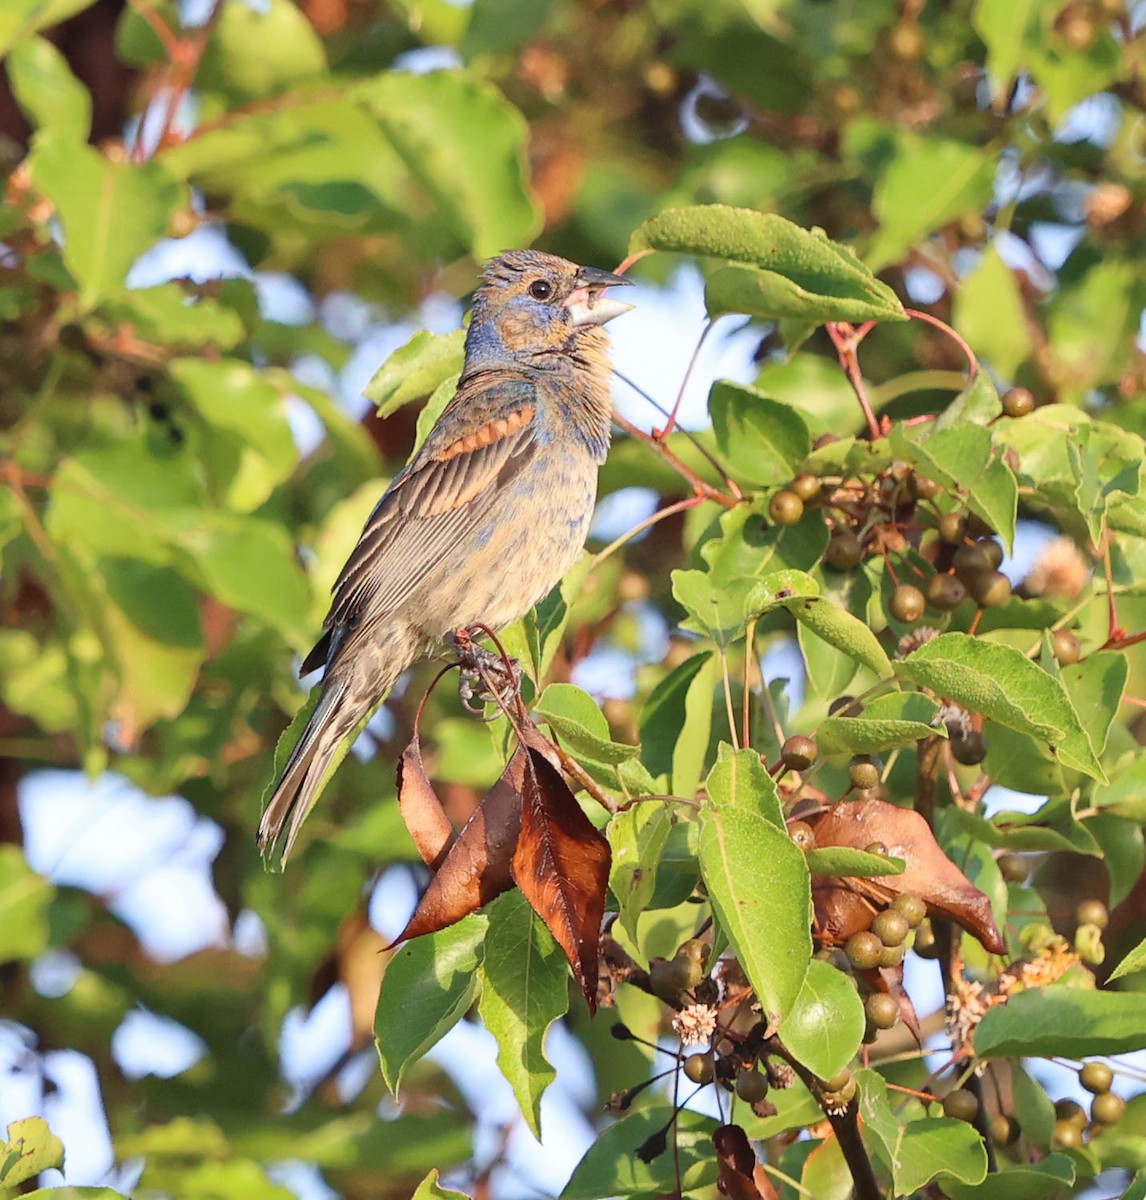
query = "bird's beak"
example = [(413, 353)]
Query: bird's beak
[(587, 303)]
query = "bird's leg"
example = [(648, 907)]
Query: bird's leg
[(484, 675)]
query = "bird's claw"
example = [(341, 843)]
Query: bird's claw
[(485, 675)]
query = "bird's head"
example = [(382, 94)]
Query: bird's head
[(530, 303)]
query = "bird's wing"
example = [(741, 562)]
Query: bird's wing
[(486, 436)]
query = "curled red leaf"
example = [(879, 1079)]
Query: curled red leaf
[(477, 867), (741, 1176), (421, 809), (929, 873), (562, 863)]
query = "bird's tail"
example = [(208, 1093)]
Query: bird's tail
[(324, 742)]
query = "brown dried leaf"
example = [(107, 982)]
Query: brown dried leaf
[(929, 873), (840, 912), (478, 866), (562, 864), (741, 1176), (421, 809)]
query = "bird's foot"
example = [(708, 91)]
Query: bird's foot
[(484, 674)]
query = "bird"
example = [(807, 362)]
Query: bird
[(484, 519)]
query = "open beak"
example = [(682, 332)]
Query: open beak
[(587, 303)]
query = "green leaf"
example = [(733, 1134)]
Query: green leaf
[(962, 458), (74, 1193), (898, 719), (580, 724), (1008, 30), (990, 314), (1095, 686), (826, 1024), (429, 985), (431, 1189), (1034, 1109), (111, 212), (637, 835), (20, 18), (152, 628), (799, 268), (740, 780), (712, 610), (524, 989), (466, 146), (927, 182), (666, 713), (977, 404), (844, 860), (255, 53), (1003, 684), (50, 95), (1131, 963), (916, 1152), (32, 1147), (250, 448), (610, 1167), (761, 439), (169, 316), (250, 565), (416, 369), (839, 628), (1038, 1182), (1064, 1022), (759, 886), (24, 900)]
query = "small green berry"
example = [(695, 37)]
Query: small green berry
[(798, 753), (1014, 868), (891, 927), (882, 1010), (751, 1086), (1065, 646), (806, 486), (863, 950), (1096, 1077), (803, 835), (969, 750), (1092, 912), (699, 1068), (1005, 1130), (844, 550), (953, 528), (912, 907), (961, 1105), (925, 944), (991, 589), (864, 771), (1107, 1109), (945, 592), (1017, 402), (907, 604), (1066, 1136), (785, 508)]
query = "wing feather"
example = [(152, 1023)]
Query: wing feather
[(439, 499)]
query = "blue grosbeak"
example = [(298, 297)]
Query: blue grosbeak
[(484, 519)]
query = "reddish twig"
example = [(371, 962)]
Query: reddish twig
[(846, 339), (660, 435), (969, 354), (699, 486)]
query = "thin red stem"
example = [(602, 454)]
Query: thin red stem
[(662, 434), (846, 340), (968, 353), (699, 486)]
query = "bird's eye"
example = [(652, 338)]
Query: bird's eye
[(541, 289)]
